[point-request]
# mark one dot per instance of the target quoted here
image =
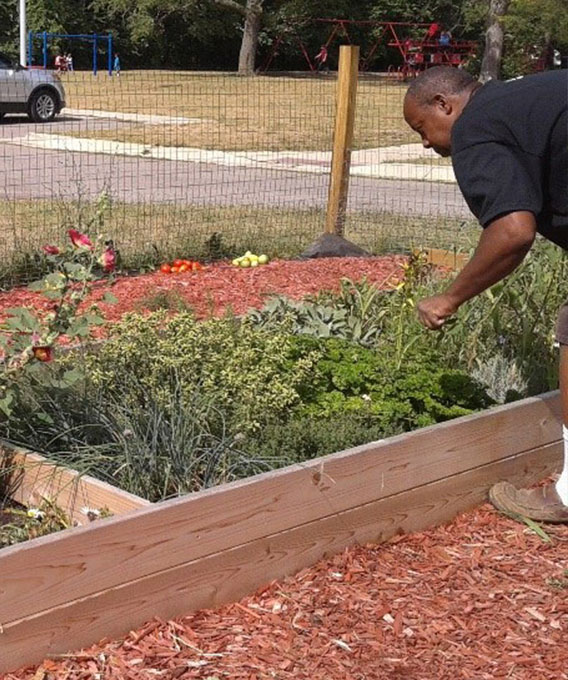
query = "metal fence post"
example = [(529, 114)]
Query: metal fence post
[(343, 139)]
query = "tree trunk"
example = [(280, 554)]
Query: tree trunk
[(249, 44), (493, 53)]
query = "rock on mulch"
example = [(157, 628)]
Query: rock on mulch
[(478, 599)]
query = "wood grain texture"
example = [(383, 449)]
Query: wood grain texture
[(50, 571), (342, 138), (230, 574), (41, 479)]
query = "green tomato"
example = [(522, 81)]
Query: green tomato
[(263, 259), (236, 261), (245, 262)]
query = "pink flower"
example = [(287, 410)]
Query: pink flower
[(51, 250), (108, 259), (80, 240), (44, 354)]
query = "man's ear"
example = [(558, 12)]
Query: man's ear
[(442, 102)]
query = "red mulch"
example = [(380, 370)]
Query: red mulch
[(478, 599), (221, 286)]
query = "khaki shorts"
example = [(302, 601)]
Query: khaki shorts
[(562, 325)]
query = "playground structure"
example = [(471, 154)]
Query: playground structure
[(418, 45), (95, 38)]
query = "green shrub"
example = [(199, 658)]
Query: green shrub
[(304, 438), (247, 373), (422, 391)]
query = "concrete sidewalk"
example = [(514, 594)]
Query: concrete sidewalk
[(377, 163)]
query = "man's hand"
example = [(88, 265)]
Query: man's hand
[(434, 311)]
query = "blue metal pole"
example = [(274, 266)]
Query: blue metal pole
[(44, 49), (110, 54), (30, 48), (95, 55)]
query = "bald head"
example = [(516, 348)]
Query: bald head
[(437, 80), (435, 101)]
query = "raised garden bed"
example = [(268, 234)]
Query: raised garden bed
[(65, 591)]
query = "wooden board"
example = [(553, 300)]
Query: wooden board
[(446, 258), (112, 552), (232, 573), (38, 479)]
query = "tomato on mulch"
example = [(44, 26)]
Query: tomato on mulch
[(220, 286), (478, 599)]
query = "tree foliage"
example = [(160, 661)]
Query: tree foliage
[(193, 34)]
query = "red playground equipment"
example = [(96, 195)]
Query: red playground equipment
[(420, 45)]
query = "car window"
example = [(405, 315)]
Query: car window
[(5, 62)]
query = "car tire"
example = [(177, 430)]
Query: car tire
[(43, 106)]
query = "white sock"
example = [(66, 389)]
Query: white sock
[(562, 483)]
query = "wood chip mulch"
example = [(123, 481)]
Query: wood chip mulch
[(478, 599), (220, 286)]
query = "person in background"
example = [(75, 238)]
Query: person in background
[(509, 147), (321, 58), (116, 65), (69, 59), (445, 39), (432, 31)]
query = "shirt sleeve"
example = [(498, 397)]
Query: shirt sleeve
[(496, 179)]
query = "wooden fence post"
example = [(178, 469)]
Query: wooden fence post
[(343, 139)]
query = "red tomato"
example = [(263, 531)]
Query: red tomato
[(166, 268), (184, 268), (195, 266), (178, 263), (175, 269), (187, 263)]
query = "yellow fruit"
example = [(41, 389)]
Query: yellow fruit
[(247, 254), (263, 259), (236, 261), (254, 263), (245, 262), (253, 258)]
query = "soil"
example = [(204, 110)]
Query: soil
[(478, 599)]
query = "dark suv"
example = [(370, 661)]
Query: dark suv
[(38, 93)]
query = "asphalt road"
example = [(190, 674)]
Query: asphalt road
[(32, 173)]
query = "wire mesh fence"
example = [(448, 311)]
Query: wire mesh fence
[(209, 165)]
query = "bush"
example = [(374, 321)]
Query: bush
[(247, 373), (354, 380)]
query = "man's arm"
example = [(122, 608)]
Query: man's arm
[(501, 249)]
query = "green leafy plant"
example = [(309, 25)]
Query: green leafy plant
[(358, 313), (423, 391), (28, 339)]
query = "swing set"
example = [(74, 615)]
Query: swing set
[(417, 53), (96, 39)]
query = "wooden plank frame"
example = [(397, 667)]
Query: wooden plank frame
[(446, 258), (68, 590), (37, 479)]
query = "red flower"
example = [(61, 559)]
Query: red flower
[(51, 250), (108, 259), (44, 353), (80, 240)]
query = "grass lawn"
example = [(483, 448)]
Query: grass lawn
[(236, 113), (148, 233)]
